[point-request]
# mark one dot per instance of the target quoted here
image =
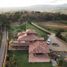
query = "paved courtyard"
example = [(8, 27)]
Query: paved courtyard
[(41, 58)]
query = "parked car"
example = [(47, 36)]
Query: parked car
[(49, 41), (55, 44)]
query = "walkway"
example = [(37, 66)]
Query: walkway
[(3, 47)]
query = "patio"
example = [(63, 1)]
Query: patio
[(39, 58)]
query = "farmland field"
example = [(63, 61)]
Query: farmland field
[(53, 26)]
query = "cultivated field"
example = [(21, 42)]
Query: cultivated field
[(53, 26)]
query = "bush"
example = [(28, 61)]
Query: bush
[(58, 34), (60, 63)]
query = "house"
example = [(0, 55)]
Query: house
[(38, 51), (36, 46)]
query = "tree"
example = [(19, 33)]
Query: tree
[(59, 31), (60, 63)]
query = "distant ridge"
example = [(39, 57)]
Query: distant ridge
[(43, 8), (49, 8)]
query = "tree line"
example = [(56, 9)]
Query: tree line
[(22, 16)]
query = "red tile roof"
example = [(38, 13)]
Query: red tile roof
[(36, 44), (38, 47), (21, 43), (29, 38), (28, 31), (21, 33)]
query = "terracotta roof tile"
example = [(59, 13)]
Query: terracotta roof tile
[(21, 33), (29, 38), (30, 31), (38, 46), (16, 43)]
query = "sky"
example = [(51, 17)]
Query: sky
[(25, 3)]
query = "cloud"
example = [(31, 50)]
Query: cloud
[(56, 1)]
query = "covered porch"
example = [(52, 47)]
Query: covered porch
[(39, 57)]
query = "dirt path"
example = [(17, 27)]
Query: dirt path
[(3, 47)]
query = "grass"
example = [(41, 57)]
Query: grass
[(22, 60)]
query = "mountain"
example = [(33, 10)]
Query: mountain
[(49, 8), (43, 8)]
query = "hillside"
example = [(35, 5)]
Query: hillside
[(49, 8)]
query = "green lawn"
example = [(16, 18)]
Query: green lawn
[(21, 58)]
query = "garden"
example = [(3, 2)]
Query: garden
[(20, 59)]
